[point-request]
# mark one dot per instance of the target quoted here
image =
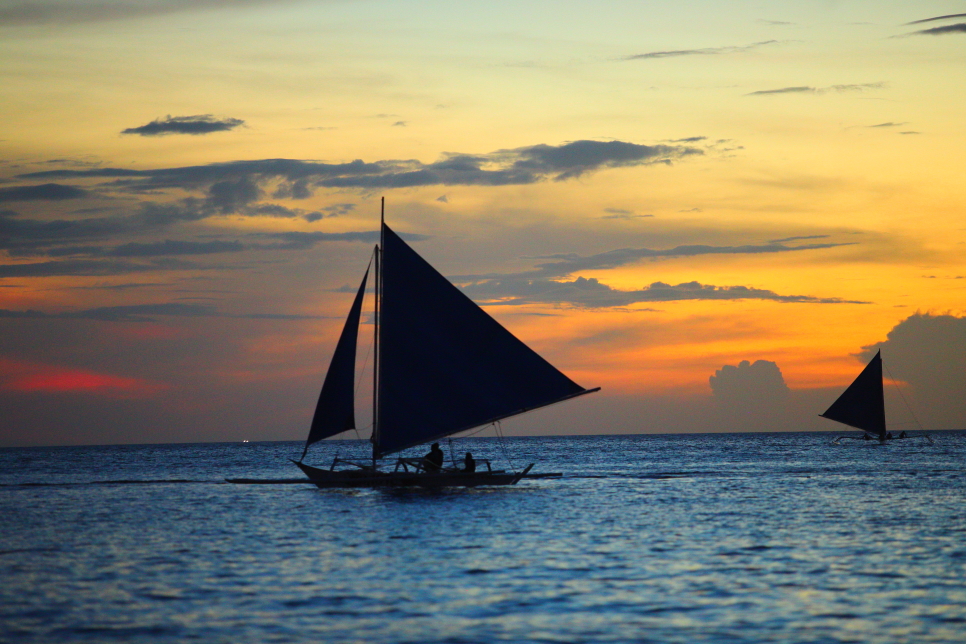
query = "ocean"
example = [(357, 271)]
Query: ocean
[(726, 538)]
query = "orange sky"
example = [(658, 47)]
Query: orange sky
[(189, 195)]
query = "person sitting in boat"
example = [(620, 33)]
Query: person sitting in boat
[(888, 436), (469, 464), (434, 459), (902, 434)]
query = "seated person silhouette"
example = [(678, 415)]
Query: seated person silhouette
[(903, 434), (434, 459), (469, 464)]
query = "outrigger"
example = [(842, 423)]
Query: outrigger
[(862, 406), (442, 366)]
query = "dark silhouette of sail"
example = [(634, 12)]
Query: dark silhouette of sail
[(335, 411), (445, 364), (862, 405)]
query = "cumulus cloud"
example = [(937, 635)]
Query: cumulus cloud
[(929, 353), (751, 396), (199, 124), (760, 381), (706, 51)]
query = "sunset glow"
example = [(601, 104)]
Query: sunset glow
[(643, 194)]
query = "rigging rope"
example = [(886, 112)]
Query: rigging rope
[(901, 395), (499, 435)]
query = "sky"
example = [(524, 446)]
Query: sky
[(715, 211)]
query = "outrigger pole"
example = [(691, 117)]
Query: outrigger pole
[(375, 363)]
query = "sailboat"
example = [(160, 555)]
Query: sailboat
[(862, 405), (442, 366)]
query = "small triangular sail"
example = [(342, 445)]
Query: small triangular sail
[(335, 411), (862, 405), (445, 365)]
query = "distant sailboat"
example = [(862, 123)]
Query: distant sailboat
[(862, 406), (442, 366)]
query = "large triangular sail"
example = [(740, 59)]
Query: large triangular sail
[(445, 365), (335, 411), (862, 405)]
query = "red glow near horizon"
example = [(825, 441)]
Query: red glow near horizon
[(38, 378)]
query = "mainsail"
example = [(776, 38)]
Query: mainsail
[(335, 411), (862, 405), (445, 365)]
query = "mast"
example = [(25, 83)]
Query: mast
[(375, 370)]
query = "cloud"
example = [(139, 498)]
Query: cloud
[(34, 12), (199, 124), (929, 353), (707, 51), (171, 247), (93, 267), (748, 383), (303, 241), (620, 213), (571, 263), (590, 293), (237, 180), (959, 28), (242, 188), (889, 124), (947, 17), (751, 396), (547, 282), (335, 210), (43, 192), (23, 235), (804, 89), (146, 312), (799, 238)]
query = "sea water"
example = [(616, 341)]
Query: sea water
[(656, 538)]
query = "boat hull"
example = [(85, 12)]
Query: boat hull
[(375, 478)]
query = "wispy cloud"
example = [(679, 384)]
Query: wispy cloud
[(590, 293), (959, 28), (805, 89), (570, 264), (147, 312), (946, 17), (66, 12), (620, 213), (43, 192), (706, 51), (200, 124)]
